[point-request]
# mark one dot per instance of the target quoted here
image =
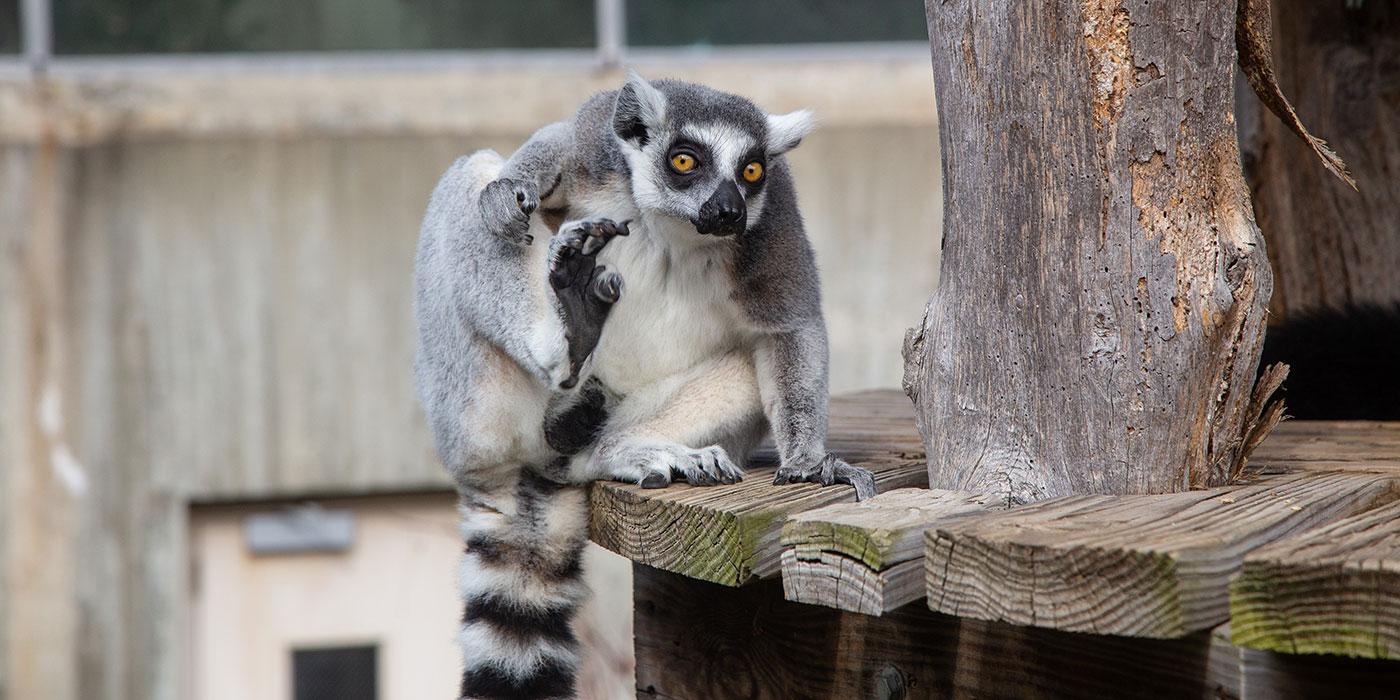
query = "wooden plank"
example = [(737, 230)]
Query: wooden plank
[(1147, 566), (1334, 590), (867, 557), (1363, 446), (700, 640), (730, 534)]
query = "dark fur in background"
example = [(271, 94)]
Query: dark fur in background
[(1345, 363)]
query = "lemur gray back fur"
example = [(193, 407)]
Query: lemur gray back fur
[(597, 307)]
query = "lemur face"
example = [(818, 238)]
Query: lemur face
[(701, 155)]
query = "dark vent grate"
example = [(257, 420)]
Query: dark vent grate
[(339, 673)]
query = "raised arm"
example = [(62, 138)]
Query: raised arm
[(530, 178)]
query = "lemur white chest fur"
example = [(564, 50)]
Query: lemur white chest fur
[(677, 308)]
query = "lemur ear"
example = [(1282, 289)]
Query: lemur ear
[(785, 131), (639, 111)]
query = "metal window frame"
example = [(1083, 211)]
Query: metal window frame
[(611, 49)]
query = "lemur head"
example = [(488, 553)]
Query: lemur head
[(699, 154)]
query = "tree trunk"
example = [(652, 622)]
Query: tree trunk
[(1100, 311), (1339, 63)]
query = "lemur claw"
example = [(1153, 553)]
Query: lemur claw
[(705, 466), (827, 471)]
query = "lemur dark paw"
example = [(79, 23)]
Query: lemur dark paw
[(586, 290), (827, 471), (506, 205)]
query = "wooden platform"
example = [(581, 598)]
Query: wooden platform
[(730, 534), (1311, 542)]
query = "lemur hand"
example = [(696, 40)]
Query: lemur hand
[(506, 206), (585, 289), (827, 471)]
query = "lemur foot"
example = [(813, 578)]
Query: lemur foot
[(827, 471), (706, 466), (586, 290), (506, 205)]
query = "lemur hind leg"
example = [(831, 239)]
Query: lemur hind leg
[(698, 426)]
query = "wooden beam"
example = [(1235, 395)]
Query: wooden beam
[(1334, 590), (1146, 566), (1113, 351), (699, 640), (867, 557), (730, 534)]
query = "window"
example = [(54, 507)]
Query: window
[(343, 673), (227, 26), (183, 27), (9, 26), (716, 22)]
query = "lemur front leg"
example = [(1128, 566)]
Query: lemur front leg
[(792, 377), (697, 426)]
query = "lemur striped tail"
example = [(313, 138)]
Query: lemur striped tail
[(522, 583)]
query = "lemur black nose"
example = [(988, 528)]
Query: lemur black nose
[(724, 213)]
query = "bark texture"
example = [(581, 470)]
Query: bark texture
[(1100, 311), (1339, 62)]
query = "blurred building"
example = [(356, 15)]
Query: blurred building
[(216, 480)]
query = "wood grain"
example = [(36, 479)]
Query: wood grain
[(867, 557), (1147, 566), (730, 534), (1333, 590), (700, 640), (1361, 446), (1100, 309)]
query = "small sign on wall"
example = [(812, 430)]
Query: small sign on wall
[(301, 529)]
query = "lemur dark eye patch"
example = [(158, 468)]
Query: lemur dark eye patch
[(683, 160)]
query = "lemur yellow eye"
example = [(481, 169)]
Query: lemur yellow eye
[(683, 162), (753, 172)]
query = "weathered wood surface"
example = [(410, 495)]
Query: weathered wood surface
[(699, 640), (1361, 446), (867, 557), (1333, 590), (730, 534), (1330, 245), (1101, 305), (1146, 566)]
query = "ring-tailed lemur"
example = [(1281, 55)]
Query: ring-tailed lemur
[(681, 318)]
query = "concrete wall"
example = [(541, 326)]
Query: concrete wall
[(206, 296), (394, 587)]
